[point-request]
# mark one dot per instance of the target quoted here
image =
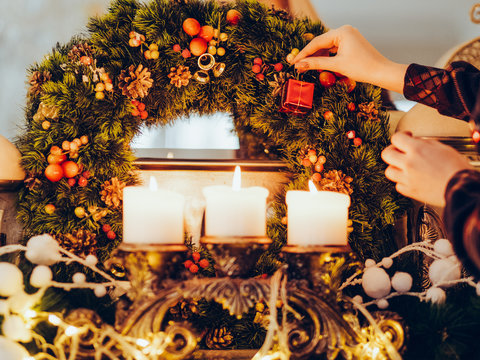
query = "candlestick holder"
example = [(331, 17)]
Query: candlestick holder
[(319, 324)]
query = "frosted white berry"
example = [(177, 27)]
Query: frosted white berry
[(376, 282), (402, 281)]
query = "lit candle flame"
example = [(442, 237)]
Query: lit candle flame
[(237, 179), (153, 184), (312, 186)]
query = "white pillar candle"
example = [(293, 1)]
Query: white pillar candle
[(233, 211), (317, 217), (152, 215)]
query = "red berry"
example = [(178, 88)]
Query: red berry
[(143, 115), (258, 61), (311, 152), (56, 159), (111, 235), (191, 26), (106, 228), (193, 269), (82, 181), (204, 263), (55, 150), (278, 67), (349, 82), (86, 174), (186, 53), (351, 106), (196, 256), (328, 115), (70, 169), (260, 77), (233, 16), (188, 264), (71, 182), (264, 276), (327, 79), (318, 167), (357, 141), (177, 48), (316, 176), (256, 68), (54, 172), (306, 162), (141, 106), (351, 134), (476, 136), (135, 102), (135, 112)]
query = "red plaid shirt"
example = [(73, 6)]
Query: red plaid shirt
[(455, 92)]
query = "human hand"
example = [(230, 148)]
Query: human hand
[(422, 168), (355, 58)]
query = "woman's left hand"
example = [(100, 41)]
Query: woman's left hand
[(422, 168)]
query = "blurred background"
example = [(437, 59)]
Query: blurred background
[(405, 31)]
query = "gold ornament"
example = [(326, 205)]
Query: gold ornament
[(218, 339), (37, 79), (368, 111), (336, 180), (45, 112), (218, 69), (202, 76), (180, 76), (135, 83), (80, 242), (206, 61), (112, 192)]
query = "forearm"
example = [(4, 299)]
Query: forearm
[(462, 218), (389, 75)]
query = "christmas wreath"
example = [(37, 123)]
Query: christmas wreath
[(149, 64)]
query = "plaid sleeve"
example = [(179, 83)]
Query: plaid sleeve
[(452, 91), (462, 218)]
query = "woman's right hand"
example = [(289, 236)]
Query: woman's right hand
[(355, 58)]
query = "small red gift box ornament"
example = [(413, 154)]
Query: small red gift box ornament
[(297, 97)]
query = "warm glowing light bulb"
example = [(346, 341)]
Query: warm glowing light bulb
[(142, 342), (71, 330), (237, 179), (54, 320), (153, 184), (312, 186), (30, 314)]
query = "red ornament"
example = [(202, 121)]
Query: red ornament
[(256, 68), (476, 136), (188, 264), (54, 172), (318, 167), (258, 61), (328, 115), (191, 26), (206, 32), (177, 48), (196, 256), (316, 177), (204, 263), (56, 159), (82, 182), (297, 97), (193, 269), (233, 17), (278, 67), (351, 134), (71, 182), (357, 141), (198, 46), (111, 235), (70, 169), (306, 162), (260, 77), (351, 106), (349, 82), (55, 150), (327, 79), (106, 228), (264, 276)]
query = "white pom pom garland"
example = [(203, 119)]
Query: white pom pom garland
[(41, 276), (443, 247), (436, 295), (387, 262), (10, 350), (369, 263), (15, 329), (402, 281), (12, 279), (100, 291), (43, 250), (79, 278), (382, 304), (376, 282), (444, 270), (91, 260)]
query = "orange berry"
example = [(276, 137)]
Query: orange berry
[(316, 176), (49, 209)]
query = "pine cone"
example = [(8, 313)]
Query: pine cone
[(32, 180), (135, 83), (280, 13), (368, 111), (184, 309), (45, 111), (80, 242), (37, 79), (80, 50), (112, 194), (218, 339), (336, 180), (180, 76), (278, 83)]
